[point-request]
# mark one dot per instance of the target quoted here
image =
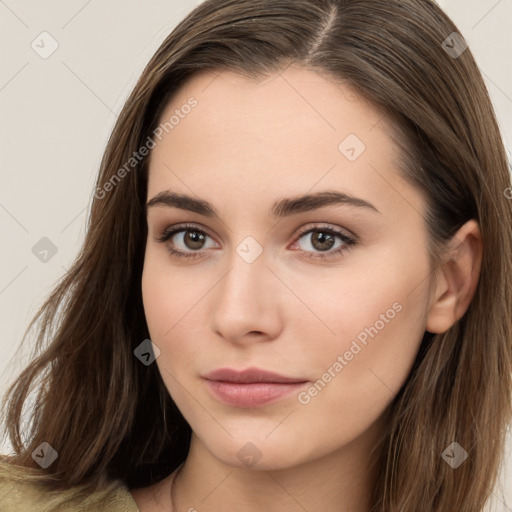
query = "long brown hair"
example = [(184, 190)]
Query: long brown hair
[(108, 416)]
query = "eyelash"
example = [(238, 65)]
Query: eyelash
[(348, 241)]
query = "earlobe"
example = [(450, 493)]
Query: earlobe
[(457, 279)]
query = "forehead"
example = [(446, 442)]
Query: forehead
[(298, 99), (285, 133)]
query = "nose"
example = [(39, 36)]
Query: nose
[(246, 304)]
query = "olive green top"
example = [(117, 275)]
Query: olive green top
[(18, 496)]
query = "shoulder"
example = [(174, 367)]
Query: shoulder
[(17, 495)]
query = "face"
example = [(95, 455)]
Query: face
[(330, 292)]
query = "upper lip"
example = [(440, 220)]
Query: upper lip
[(249, 375)]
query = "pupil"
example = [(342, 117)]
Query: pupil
[(194, 240), (325, 241)]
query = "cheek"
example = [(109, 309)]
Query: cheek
[(169, 296), (374, 294), (378, 318), (171, 301), (360, 372)]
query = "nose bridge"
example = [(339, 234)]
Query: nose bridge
[(242, 285), (246, 299)]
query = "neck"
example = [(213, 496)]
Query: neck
[(341, 480)]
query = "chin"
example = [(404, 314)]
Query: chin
[(255, 451)]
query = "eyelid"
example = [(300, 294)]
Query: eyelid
[(327, 227), (172, 230), (302, 231)]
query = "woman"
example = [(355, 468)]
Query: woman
[(294, 292)]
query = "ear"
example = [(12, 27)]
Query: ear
[(457, 279)]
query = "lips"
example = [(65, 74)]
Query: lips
[(252, 387), (250, 375)]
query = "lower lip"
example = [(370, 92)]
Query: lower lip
[(251, 394)]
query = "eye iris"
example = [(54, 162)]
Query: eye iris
[(194, 239), (325, 240)]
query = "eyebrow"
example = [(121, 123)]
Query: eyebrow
[(281, 208)]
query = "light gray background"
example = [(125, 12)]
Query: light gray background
[(57, 114)]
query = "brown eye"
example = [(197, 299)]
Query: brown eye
[(194, 239), (186, 241), (322, 241)]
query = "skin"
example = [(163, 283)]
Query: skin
[(247, 144)]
